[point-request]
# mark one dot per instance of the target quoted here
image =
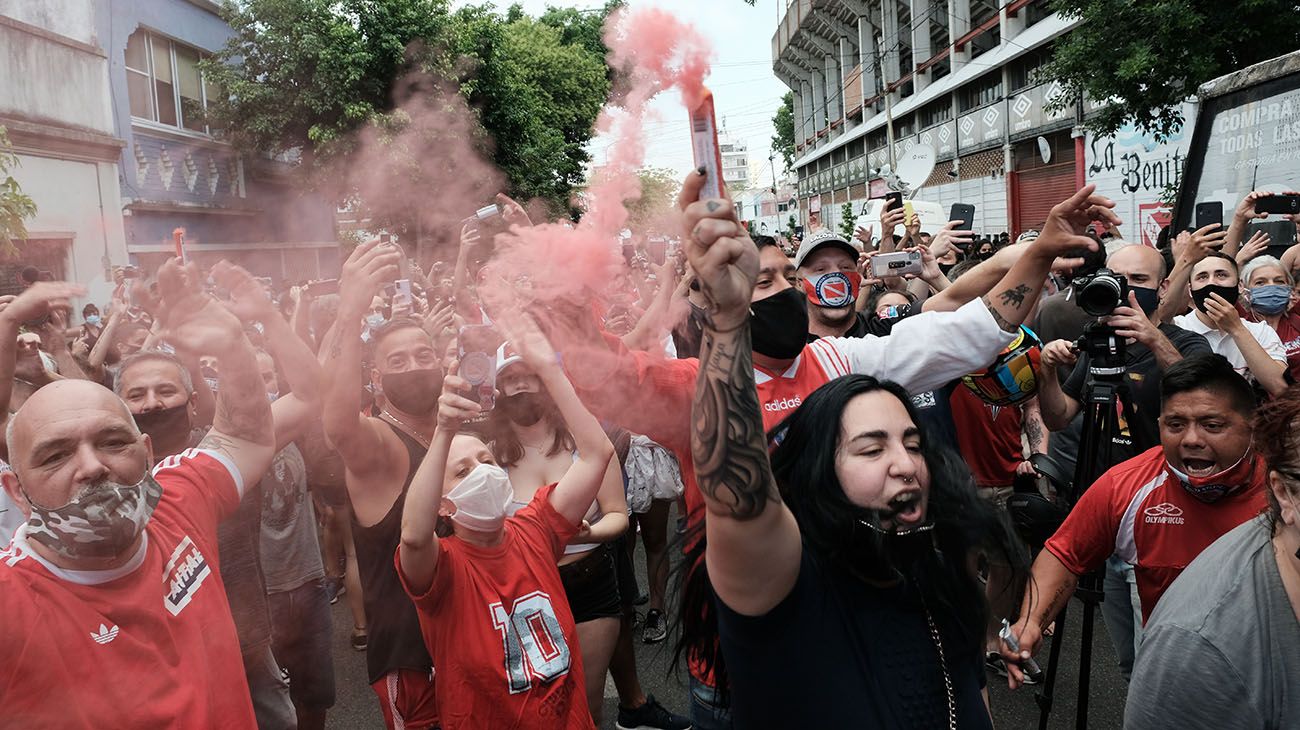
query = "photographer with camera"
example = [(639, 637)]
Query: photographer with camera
[(1125, 295), (1160, 509)]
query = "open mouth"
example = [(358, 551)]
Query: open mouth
[(1198, 467), (905, 509)]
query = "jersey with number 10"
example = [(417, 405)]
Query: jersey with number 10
[(499, 629)]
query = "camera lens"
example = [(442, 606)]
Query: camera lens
[(1101, 294)]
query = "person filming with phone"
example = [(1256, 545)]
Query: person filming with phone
[(380, 455)]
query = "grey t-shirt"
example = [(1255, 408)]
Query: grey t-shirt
[(290, 551), (1222, 649)]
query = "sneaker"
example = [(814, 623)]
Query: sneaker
[(656, 627), (360, 639), (336, 588), (993, 662), (650, 716)]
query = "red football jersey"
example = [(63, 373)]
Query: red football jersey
[(498, 626), (988, 437), (1140, 511), (150, 644)]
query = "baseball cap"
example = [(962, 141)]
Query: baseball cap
[(506, 356), (814, 241)]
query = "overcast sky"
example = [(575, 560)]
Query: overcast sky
[(745, 91)]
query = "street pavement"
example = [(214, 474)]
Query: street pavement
[(357, 706)]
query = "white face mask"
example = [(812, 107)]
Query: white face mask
[(481, 498)]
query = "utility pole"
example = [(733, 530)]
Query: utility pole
[(882, 87)]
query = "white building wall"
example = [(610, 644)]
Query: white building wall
[(77, 201), (55, 102), (1132, 169)]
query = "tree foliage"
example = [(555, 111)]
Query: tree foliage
[(783, 140), (848, 221), (319, 76), (15, 206), (652, 213), (1146, 57)]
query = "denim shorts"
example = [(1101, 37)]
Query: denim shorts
[(591, 585), (301, 629)]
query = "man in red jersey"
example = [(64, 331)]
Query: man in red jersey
[(1160, 509), (114, 610)]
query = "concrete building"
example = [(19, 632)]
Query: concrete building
[(957, 76), (56, 106), (176, 172), (735, 160), (770, 214)]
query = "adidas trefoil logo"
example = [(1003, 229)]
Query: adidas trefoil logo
[(105, 634)]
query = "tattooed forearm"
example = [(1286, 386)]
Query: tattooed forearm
[(1015, 297), (1002, 322), (1034, 431), (243, 410), (727, 438)]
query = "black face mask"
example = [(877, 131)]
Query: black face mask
[(414, 391), (166, 423), (1147, 298), (883, 326), (1229, 294), (524, 409), (885, 554), (778, 324)]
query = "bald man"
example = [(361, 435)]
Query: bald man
[(1150, 351), (113, 610)]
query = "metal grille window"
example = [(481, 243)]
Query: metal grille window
[(164, 84)]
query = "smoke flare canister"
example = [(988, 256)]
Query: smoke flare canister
[(704, 143)]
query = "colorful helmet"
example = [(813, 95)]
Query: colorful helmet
[(1013, 376)]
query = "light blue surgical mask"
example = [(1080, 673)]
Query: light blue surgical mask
[(374, 321), (93, 320), (1270, 299)]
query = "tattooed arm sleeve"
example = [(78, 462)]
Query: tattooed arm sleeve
[(754, 547)]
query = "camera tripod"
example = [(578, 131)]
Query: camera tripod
[(1105, 392)]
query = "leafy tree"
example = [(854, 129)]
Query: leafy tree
[(15, 206), (848, 221), (1146, 57), (319, 77), (652, 212), (783, 140)]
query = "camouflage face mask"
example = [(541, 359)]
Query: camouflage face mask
[(100, 522)]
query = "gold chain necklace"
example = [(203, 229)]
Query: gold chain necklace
[(407, 428)]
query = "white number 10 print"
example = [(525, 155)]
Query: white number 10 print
[(534, 643)]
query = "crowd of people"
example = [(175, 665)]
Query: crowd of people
[(470, 472)]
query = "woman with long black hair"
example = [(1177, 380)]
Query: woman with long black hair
[(843, 571), (884, 624)]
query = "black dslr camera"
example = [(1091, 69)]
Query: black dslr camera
[(1098, 294)]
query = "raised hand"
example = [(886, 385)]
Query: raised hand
[(528, 340), (949, 238), (194, 322), (371, 265), (512, 212), (39, 300), (454, 407), (1204, 240), (439, 319), (248, 299), (720, 250), (1066, 228), (1254, 247), (469, 235)]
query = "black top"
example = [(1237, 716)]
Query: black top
[(838, 653), (1143, 381), (395, 641)]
